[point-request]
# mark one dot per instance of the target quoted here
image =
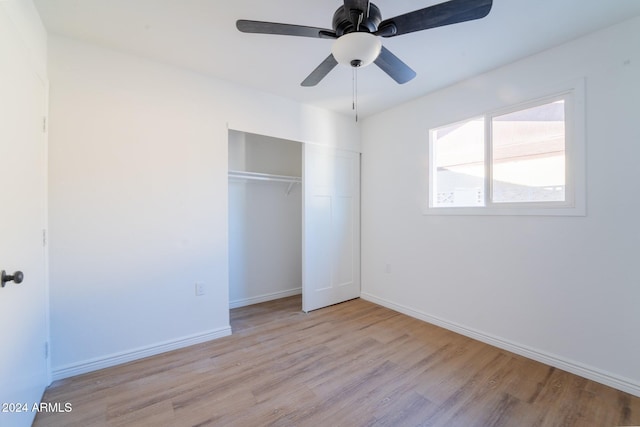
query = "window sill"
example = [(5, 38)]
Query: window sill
[(511, 210)]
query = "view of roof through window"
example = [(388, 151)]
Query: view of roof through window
[(527, 158)]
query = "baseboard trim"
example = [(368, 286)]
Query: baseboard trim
[(264, 298), (135, 354), (574, 367)]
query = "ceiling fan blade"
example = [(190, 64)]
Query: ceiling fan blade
[(261, 27), (450, 12), (394, 67), (320, 72)]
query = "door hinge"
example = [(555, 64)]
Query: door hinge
[(44, 237), (46, 350), (44, 124)]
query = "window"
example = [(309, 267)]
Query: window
[(522, 160), (458, 153), (528, 155)]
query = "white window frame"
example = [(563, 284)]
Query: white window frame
[(574, 203)]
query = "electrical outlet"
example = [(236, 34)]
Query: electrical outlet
[(199, 289)]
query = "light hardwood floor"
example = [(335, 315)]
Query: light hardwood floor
[(352, 364)]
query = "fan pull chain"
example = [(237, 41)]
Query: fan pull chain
[(354, 103), (353, 86)]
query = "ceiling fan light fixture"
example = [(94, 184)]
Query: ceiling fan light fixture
[(357, 49)]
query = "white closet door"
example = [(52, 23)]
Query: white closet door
[(23, 306), (331, 235)]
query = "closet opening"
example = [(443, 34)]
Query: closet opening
[(265, 218)]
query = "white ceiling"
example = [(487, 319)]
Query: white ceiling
[(200, 35)]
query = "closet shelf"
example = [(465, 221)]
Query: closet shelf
[(266, 177)]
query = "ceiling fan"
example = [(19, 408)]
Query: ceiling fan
[(358, 26)]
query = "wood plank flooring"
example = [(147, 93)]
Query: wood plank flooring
[(352, 364)]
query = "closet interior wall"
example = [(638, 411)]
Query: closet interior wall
[(265, 218)]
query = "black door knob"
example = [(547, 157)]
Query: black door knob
[(16, 277)]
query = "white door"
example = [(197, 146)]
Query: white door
[(23, 307), (331, 235)]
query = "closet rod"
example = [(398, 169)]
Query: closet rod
[(264, 176)]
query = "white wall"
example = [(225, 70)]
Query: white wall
[(560, 289), (138, 211), (265, 223), (23, 307)]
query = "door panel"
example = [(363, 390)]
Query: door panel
[(23, 307), (343, 244), (331, 247)]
